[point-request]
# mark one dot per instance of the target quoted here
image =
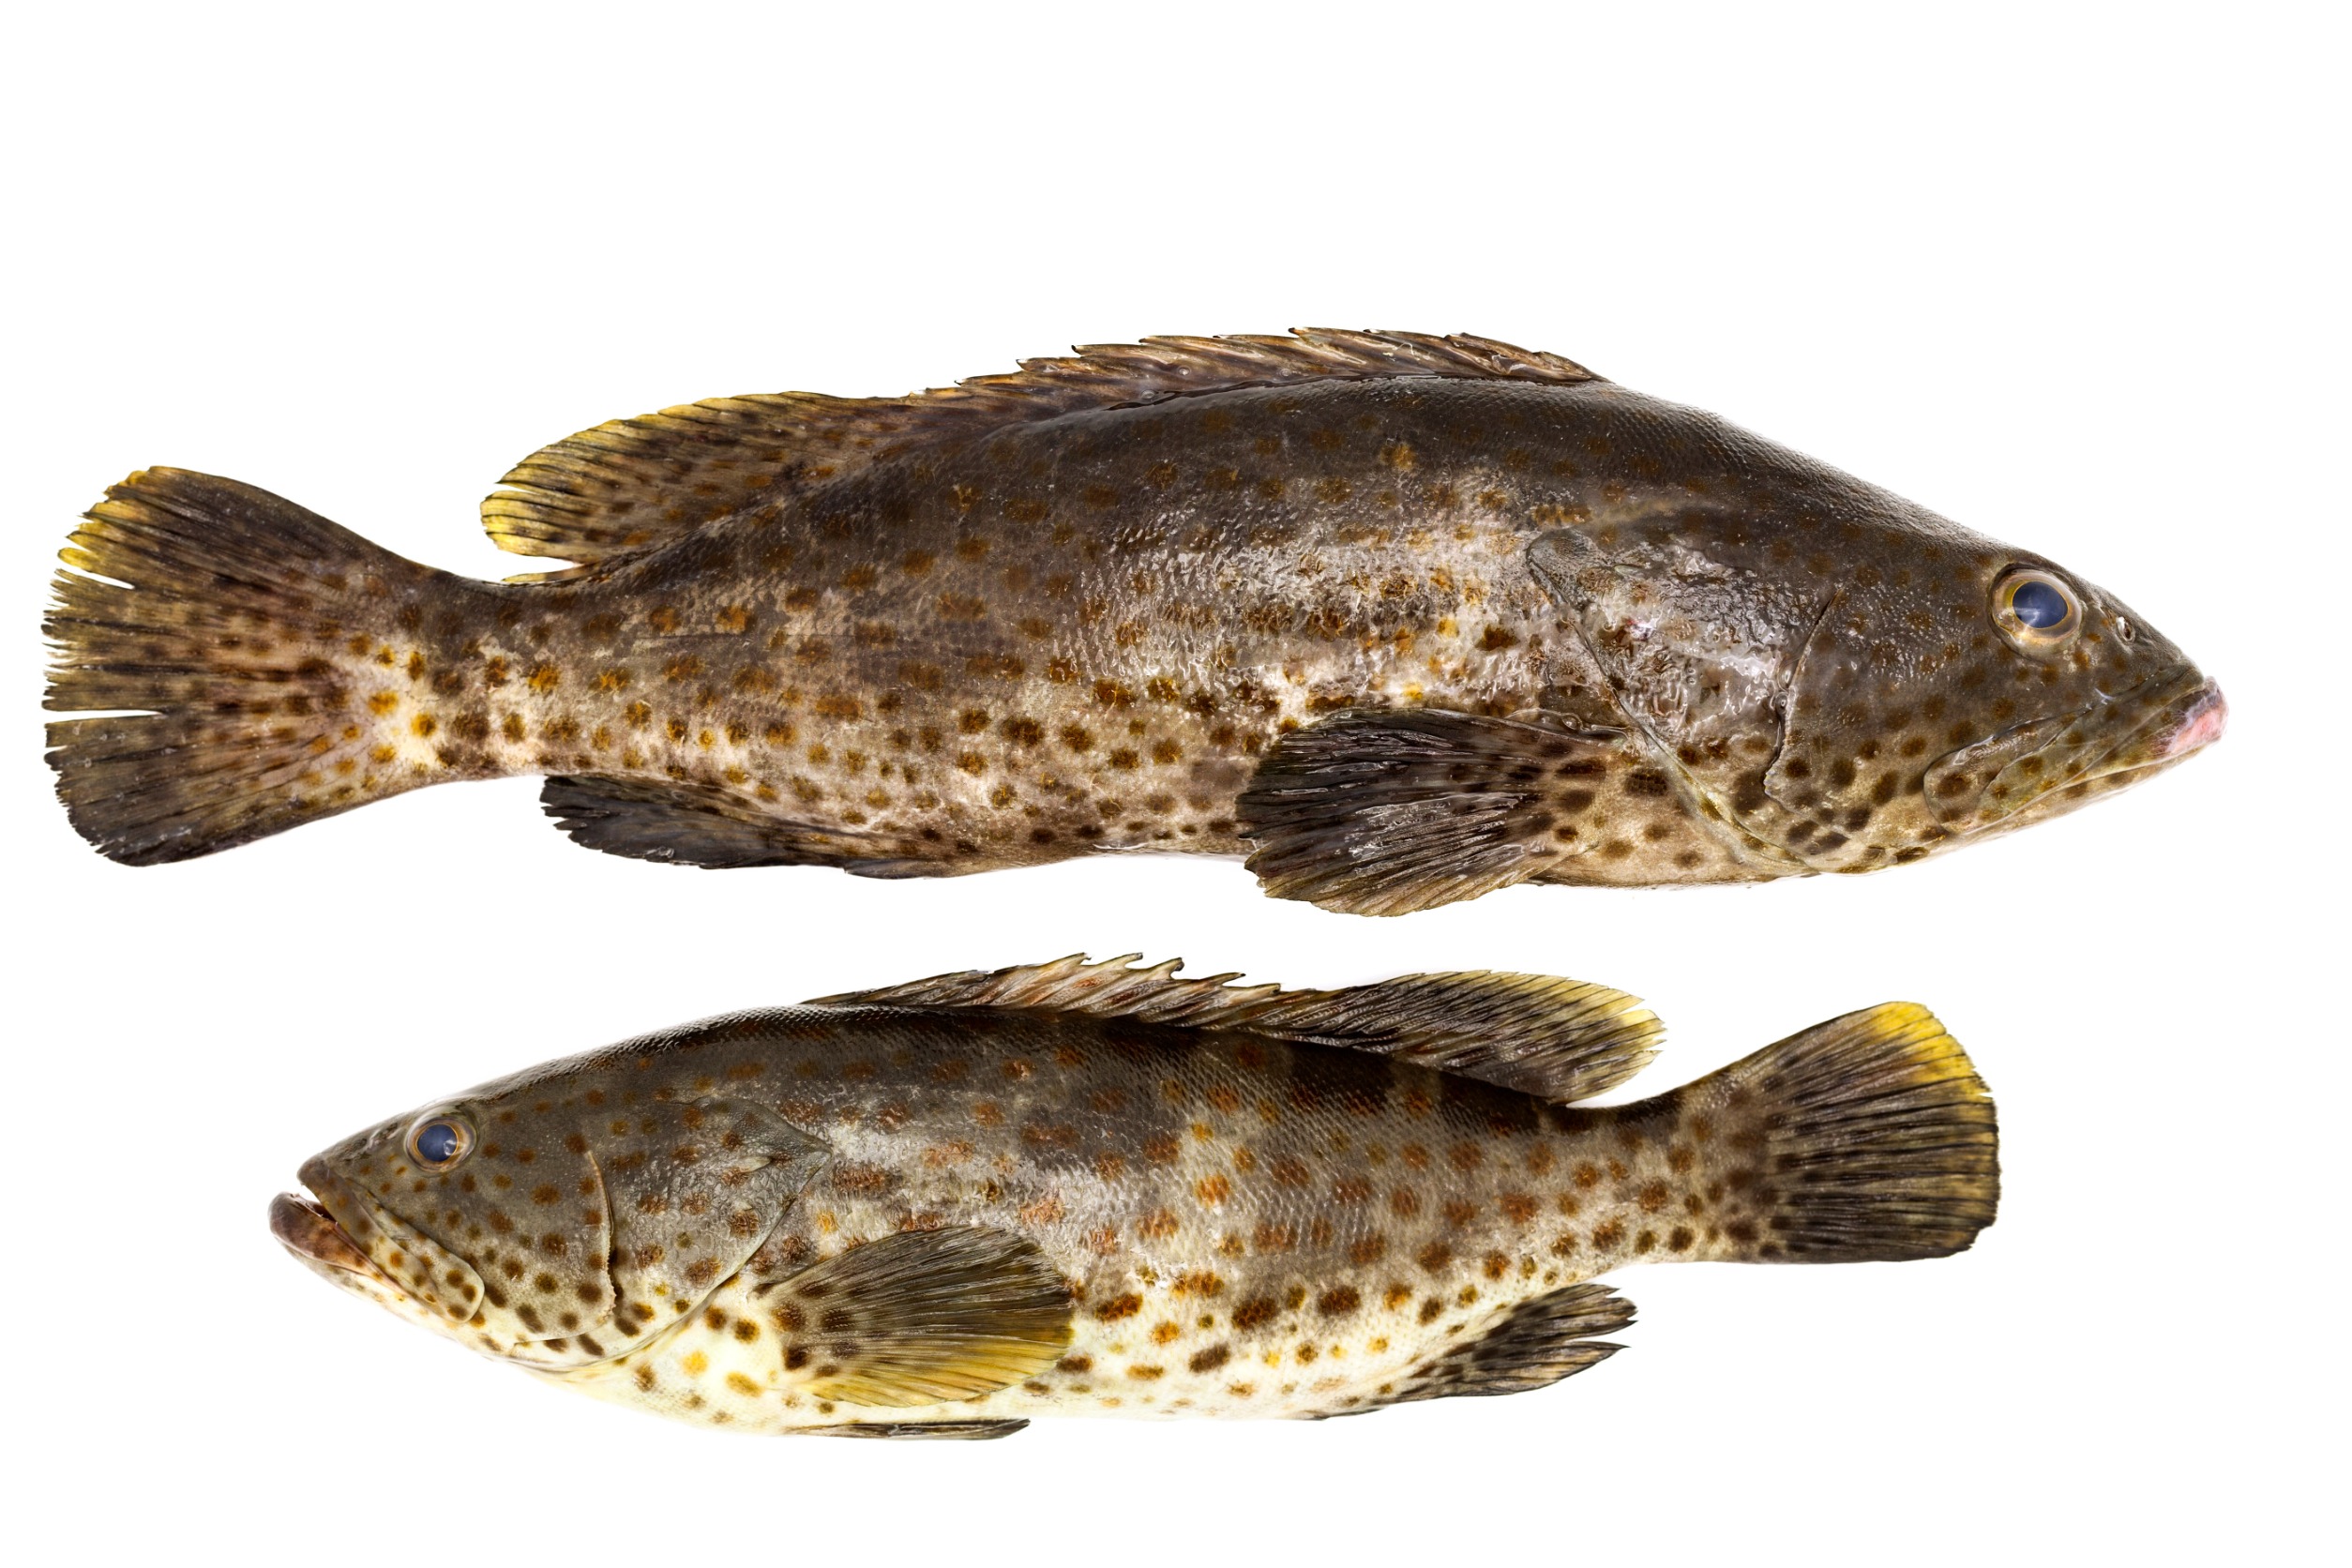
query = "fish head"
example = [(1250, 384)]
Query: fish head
[(557, 1220), (1867, 684)]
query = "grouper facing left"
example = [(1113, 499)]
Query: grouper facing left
[(1402, 618), (940, 1209)]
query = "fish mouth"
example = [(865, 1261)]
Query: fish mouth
[(2187, 718), (303, 1227), (345, 1236), (2196, 722), (307, 1226), (2024, 770)]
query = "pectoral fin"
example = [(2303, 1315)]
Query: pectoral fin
[(1388, 811), (923, 1316)]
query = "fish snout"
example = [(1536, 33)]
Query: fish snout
[(2196, 722)]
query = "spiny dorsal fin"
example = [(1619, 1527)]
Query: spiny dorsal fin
[(631, 484), (1557, 1039)]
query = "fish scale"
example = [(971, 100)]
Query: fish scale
[(1076, 1189), (1404, 619)]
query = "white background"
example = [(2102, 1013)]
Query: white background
[(2071, 277)]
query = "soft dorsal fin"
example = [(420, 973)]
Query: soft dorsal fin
[(631, 484), (1557, 1039)]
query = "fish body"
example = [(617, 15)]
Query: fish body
[(1403, 619), (1073, 1189)]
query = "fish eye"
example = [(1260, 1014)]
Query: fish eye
[(438, 1143), (2036, 608)]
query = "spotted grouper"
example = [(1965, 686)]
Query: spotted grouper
[(1401, 618), (940, 1209)]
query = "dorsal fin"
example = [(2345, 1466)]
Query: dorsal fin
[(631, 484), (1557, 1039)]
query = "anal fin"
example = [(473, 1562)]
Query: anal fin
[(697, 825), (1388, 811), (1532, 1346), (923, 1316)]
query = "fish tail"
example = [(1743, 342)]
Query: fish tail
[(1867, 1138), (244, 658)]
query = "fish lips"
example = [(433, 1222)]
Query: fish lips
[(2148, 727), (342, 1226), (303, 1227), (309, 1230)]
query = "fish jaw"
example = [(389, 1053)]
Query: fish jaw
[(1986, 788), (340, 1235), (305, 1229)]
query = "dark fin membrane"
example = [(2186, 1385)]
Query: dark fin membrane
[(1532, 1346), (1388, 811), (1867, 1138), (1557, 1039), (226, 624), (944, 1431), (920, 1317), (630, 485), (700, 824)]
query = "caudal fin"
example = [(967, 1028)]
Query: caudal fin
[(251, 643), (1869, 1137)]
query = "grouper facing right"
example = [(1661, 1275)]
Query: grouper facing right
[(1402, 618), (939, 1209)]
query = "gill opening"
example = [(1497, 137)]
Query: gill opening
[(619, 1319), (1784, 698)]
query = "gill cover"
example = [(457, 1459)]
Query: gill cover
[(1698, 633), (693, 1189)]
